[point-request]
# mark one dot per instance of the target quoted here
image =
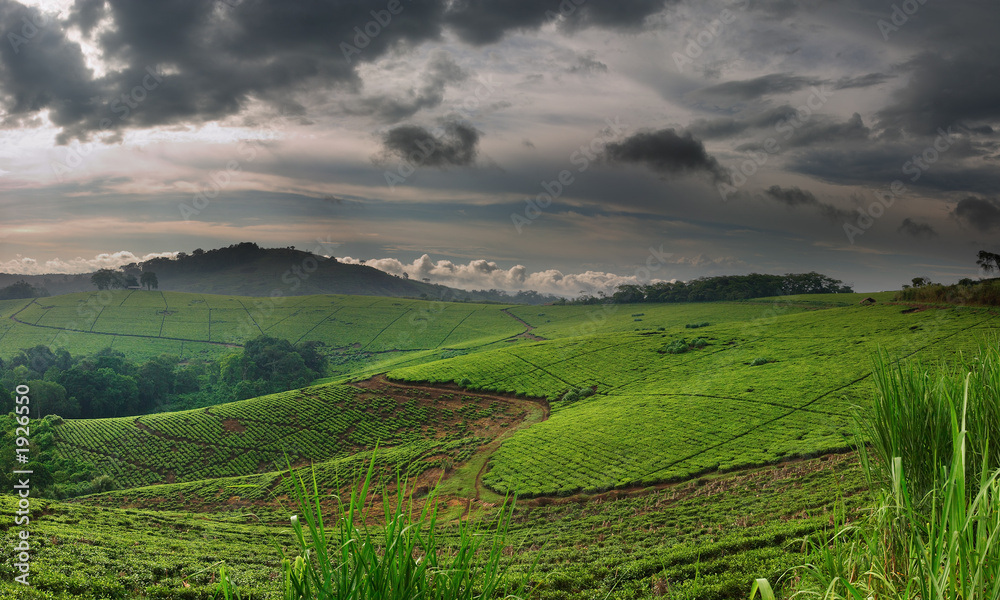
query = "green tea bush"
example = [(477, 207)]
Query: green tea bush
[(677, 347)]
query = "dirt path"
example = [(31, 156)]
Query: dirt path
[(537, 410), (528, 328)]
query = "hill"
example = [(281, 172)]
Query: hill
[(316, 424), (246, 269)]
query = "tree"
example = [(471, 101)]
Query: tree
[(988, 261), (103, 278), (19, 290), (149, 280), (109, 279), (920, 282), (48, 397)]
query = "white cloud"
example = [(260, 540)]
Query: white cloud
[(23, 265), (484, 274)]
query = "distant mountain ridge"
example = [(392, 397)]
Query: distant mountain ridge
[(246, 269)]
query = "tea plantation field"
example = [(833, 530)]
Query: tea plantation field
[(701, 539), (757, 391), (144, 324), (317, 423), (676, 449)]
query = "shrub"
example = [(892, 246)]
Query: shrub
[(760, 361), (699, 342), (677, 347)]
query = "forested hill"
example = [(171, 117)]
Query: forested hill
[(247, 269)]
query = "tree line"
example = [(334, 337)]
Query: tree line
[(109, 384), (725, 287)]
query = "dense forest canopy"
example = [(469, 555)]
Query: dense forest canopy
[(726, 287)]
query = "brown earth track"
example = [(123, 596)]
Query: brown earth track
[(379, 382), (528, 328)]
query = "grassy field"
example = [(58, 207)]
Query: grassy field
[(144, 324), (640, 438)]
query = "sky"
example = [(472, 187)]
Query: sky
[(565, 146)]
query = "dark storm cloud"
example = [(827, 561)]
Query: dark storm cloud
[(41, 69), (215, 57), (218, 56), (818, 132), (752, 89), (794, 197), (960, 88), (456, 145), (916, 229), (917, 164), (727, 127), (980, 213), (863, 81), (486, 21), (441, 71), (664, 151)]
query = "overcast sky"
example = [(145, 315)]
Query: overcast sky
[(506, 143)]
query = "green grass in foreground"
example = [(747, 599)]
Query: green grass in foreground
[(934, 530)]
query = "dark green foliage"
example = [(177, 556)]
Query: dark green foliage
[(269, 365), (21, 289), (682, 345), (727, 287), (697, 325), (109, 279), (760, 361), (149, 280), (56, 475), (966, 292), (988, 261)]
